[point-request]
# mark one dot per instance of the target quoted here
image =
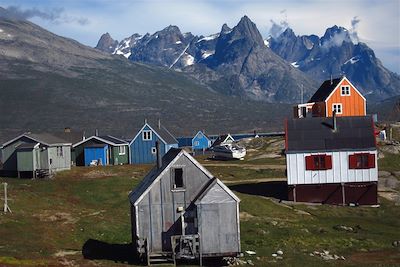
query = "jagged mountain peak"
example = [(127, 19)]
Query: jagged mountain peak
[(106, 43), (248, 29), (225, 28)]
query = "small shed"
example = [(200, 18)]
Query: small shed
[(181, 211), (104, 149), (143, 145), (223, 140), (201, 141), (332, 160), (36, 155)]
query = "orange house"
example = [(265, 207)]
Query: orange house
[(337, 95)]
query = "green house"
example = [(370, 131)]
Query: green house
[(100, 150), (35, 155)]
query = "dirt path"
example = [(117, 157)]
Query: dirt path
[(249, 166), (254, 181)]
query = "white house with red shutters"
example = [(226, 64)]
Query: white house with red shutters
[(332, 160)]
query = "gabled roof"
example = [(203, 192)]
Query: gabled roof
[(43, 138), (162, 132), (28, 146), (325, 90), (70, 137), (200, 132), (108, 139), (222, 139), (154, 175), (212, 193), (317, 134)]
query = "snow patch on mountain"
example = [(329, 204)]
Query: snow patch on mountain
[(352, 60), (188, 59), (178, 42), (295, 64), (207, 53), (209, 38), (267, 41), (176, 60), (1, 30)]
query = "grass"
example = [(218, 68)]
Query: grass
[(92, 203), (390, 163)]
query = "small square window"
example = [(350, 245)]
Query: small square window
[(146, 135), (337, 108), (345, 90), (177, 179), (121, 150), (153, 150), (196, 143)]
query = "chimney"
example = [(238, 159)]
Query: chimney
[(145, 121), (331, 79), (334, 121), (158, 151), (96, 133), (67, 130), (159, 124), (84, 135)]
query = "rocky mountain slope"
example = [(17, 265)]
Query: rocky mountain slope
[(234, 61), (336, 54), (48, 82)]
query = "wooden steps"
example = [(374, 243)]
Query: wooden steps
[(159, 259)]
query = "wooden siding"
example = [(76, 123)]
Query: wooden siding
[(58, 162), (340, 172), (218, 222), (158, 218), (26, 160), (9, 154), (352, 105), (141, 150), (203, 142), (116, 158), (96, 153)]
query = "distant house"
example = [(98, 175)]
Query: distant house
[(201, 141), (36, 155), (332, 160), (180, 210), (223, 140), (337, 95), (143, 145), (101, 150)]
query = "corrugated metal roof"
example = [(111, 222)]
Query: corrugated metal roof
[(317, 134), (324, 90)]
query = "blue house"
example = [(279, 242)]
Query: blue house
[(96, 154), (143, 145), (201, 141)]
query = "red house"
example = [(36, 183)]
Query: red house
[(332, 160), (338, 95)]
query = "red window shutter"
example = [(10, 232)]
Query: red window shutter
[(371, 161), (352, 162), (328, 162), (310, 163)]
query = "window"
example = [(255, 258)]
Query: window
[(318, 162), (361, 161), (146, 135), (196, 143), (121, 150), (345, 90), (177, 179), (59, 151), (153, 150), (337, 108)]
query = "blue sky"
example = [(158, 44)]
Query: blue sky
[(86, 20)]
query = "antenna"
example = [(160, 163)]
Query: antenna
[(145, 121), (331, 79), (159, 124)]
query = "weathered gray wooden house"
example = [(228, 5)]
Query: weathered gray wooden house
[(35, 155), (181, 211)]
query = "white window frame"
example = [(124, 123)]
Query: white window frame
[(153, 150), (346, 91), (338, 105), (121, 150), (196, 143), (145, 137)]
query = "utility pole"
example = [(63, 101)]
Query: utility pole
[(6, 207)]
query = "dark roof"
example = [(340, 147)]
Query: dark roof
[(153, 174), (220, 139), (113, 139), (46, 138), (70, 137), (317, 134), (324, 90), (164, 134)]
